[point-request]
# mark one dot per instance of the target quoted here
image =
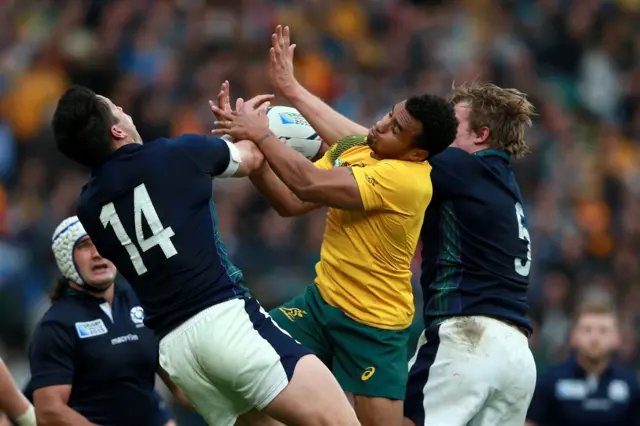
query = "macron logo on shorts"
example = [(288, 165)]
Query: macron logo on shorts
[(91, 329)]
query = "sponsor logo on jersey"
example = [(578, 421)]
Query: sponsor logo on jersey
[(571, 389), (137, 316), (91, 329), (341, 163), (293, 313), (618, 391), (124, 339)]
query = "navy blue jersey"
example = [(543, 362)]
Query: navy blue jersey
[(476, 250), (565, 395), (149, 209), (104, 353)]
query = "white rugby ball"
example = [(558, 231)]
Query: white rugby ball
[(287, 123)]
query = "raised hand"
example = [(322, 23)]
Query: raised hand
[(224, 97), (281, 61), (224, 112), (249, 120)]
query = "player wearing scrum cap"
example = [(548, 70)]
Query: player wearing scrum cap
[(92, 360), (149, 208)]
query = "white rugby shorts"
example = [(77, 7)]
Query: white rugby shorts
[(475, 371), (229, 359)]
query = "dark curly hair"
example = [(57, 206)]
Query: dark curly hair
[(81, 126), (439, 123)]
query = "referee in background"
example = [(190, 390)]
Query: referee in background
[(92, 360)]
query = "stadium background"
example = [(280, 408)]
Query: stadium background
[(162, 60)]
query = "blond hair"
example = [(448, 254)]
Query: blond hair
[(595, 307), (506, 112)]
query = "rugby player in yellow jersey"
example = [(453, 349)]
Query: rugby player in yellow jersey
[(356, 316)]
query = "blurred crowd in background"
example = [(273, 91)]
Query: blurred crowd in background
[(579, 61)]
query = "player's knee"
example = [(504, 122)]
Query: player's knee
[(312, 398), (375, 411), (408, 422)]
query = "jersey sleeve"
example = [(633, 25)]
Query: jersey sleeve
[(51, 356), (339, 148), (211, 155), (542, 403), (449, 171), (394, 185)]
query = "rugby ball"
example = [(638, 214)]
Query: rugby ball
[(288, 124)]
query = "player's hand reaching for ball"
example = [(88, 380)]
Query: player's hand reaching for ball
[(248, 121), (281, 62), (224, 97), (223, 100)]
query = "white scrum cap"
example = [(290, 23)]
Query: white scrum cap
[(64, 241)]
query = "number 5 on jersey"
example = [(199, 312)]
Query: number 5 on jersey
[(142, 206), (523, 266)]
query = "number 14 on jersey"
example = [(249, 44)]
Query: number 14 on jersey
[(142, 207)]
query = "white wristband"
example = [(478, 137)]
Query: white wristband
[(28, 418), (235, 159)]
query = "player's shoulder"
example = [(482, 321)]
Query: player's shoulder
[(60, 315), (157, 146), (125, 292), (564, 369), (402, 165), (627, 374), (184, 139), (348, 145), (451, 157), (415, 173), (190, 140)]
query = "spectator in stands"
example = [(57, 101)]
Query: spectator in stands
[(589, 388)]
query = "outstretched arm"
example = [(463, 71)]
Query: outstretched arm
[(12, 401), (219, 157), (333, 188), (329, 123), (279, 196)]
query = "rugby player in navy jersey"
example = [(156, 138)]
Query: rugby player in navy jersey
[(92, 361), (473, 364), (149, 209)]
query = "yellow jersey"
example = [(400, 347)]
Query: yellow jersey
[(365, 260)]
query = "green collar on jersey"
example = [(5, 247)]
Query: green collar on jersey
[(488, 152)]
